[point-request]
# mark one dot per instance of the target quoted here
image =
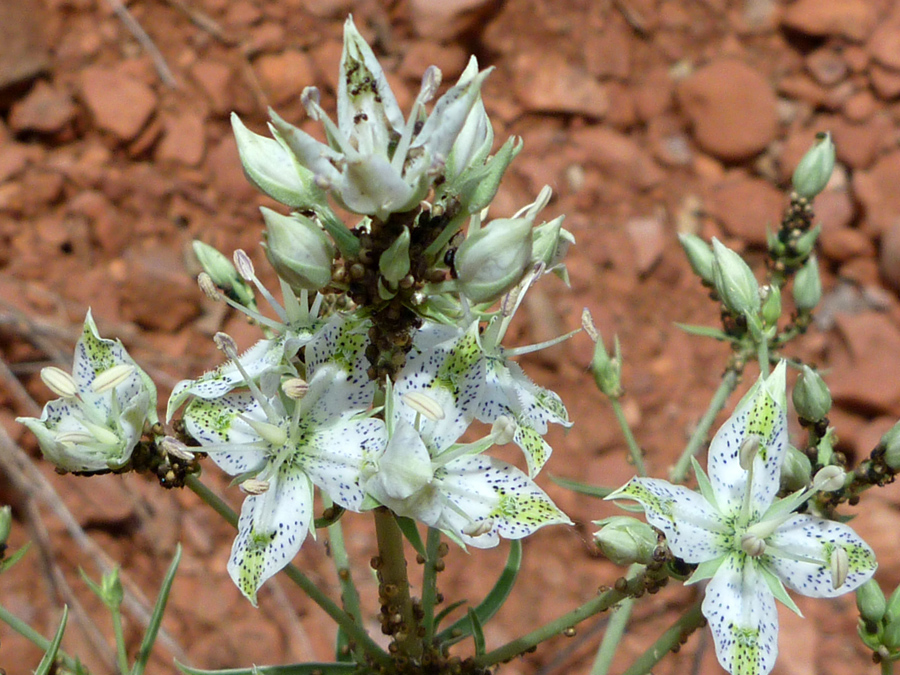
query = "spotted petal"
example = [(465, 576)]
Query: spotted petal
[(815, 538), (694, 529), (762, 412), (342, 344), (741, 612), (236, 447), (271, 529)]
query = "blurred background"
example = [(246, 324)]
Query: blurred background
[(646, 117)]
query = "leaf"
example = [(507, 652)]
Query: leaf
[(290, 669), (444, 612), (14, 558), (492, 602), (477, 631), (583, 488), (705, 331), (411, 531), (45, 667), (156, 618)]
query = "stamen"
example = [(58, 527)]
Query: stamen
[(77, 437), (479, 527), (252, 486), (840, 567), (208, 286), (59, 382), (424, 405), (227, 344), (752, 545), (245, 268), (748, 450), (503, 430), (101, 434), (112, 378), (295, 388), (587, 324), (175, 448)]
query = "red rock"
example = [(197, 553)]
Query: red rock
[(228, 175), (214, 79), (840, 245), (654, 93), (327, 58), (826, 66), (858, 381), (857, 145), (857, 58), (607, 53), (853, 19), (621, 114), (22, 55), (732, 109), (746, 207), (885, 81), (547, 82), (451, 59), (446, 19), (648, 240), (328, 9), (45, 109), (860, 107), (877, 190), (14, 157), (119, 103), (156, 292), (802, 87), (184, 140), (285, 75), (109, 228), (884, 45), (889, 256), (250, 640), (616, 154), (861, 271)]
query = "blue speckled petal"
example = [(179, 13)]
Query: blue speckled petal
[(271, 529), (816, 538), (741, 612), (342, 343), (694, 529), (217, 423)]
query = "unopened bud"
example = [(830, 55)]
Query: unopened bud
[(59, 382), (771, 304), (840, 567), (625, 540), (215, 264), (492, 260), (394, 262), (807, 242), (891, 636), (871, 602), (503, 430), (734, 281), (699, 255), (5, 524), (891, 444), (811, 397), (551, 242), (807, 286), (607, 371), (796, 471), (814, 170), (300, 252), (112, 378), (829, 479), (424, 405), (295, 388), (893, 607)]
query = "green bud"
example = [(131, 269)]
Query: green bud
[(812, 173), (625, 540), (298, 249), (394, 262), (807, 286), (734, 281), (771, 305), (807, 241), (699, 255), (111, 588), (811, 397), (551, 243), (607, 371), (891, 444), (223, 273), (892, 612), (796, 471), (870, 602), (891, 636), (493, 260), (5, 524)]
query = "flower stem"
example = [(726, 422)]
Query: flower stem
[(611, 637), (429, 582), (394, 584), (354, 630), (349, 594), (121, 653), (698, 438), (672, 638), (633, 447), (887, 667), (598, 604), (32, 635)]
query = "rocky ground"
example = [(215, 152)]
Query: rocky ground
[(647, 117)]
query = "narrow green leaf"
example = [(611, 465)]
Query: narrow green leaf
[(290, 669), (705, 331), (156, 618), (444, 612), (6, 563), (342, 653), (598, 491), (477, 631), (492, 602), (411, 531), (46, 665)]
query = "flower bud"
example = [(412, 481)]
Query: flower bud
[(492, 260), (551, 242), (734, 281), (891, 444), (607, 371), (394, 262), (830, 478), (891, 636), (699, 255), (871, 602), (811, 397), (892, 612), (222, 273), (625, 540), (807, 242), (771, 304), (796, 471), (5, 525), (299, 250), (812, 173), (807, 286)]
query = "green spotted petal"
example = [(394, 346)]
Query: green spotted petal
[(741, 612), (342, 343), (536, 449), (815, 538), (217, 425)]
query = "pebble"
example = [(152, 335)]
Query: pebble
[(889, 256), (157, 293), (876, 189), (746, 207), (284, 76), (647, 236), (184, 139), (852, 19), (214, 78), (826, 66), (547, 82), (616, 154), (22, 54), (14, 157), (884, 45), (46, 109), (732, 108), (858, 381), (118, 103), (885, 82), (451, 59), (444, 20)]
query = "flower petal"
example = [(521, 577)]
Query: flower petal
[(694, 529), (816, 538), (741, 612), (271, 529), (218, 422), (405, 466), (342, 343)]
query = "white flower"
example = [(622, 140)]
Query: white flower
[(744, 540), (376, 163), (103, 408), (286, 446)]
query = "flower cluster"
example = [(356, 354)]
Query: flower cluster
[(745, 541)]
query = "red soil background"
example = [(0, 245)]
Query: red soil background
[(647, 117)]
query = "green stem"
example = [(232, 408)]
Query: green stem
[(698, 438), (673, 637), (121, 652), (611, 637), (353, 629), (349, 594), (887, 667), (600, 603), (32, 635), (633, 447), (429, 582), (394, 584), (763, 356)]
